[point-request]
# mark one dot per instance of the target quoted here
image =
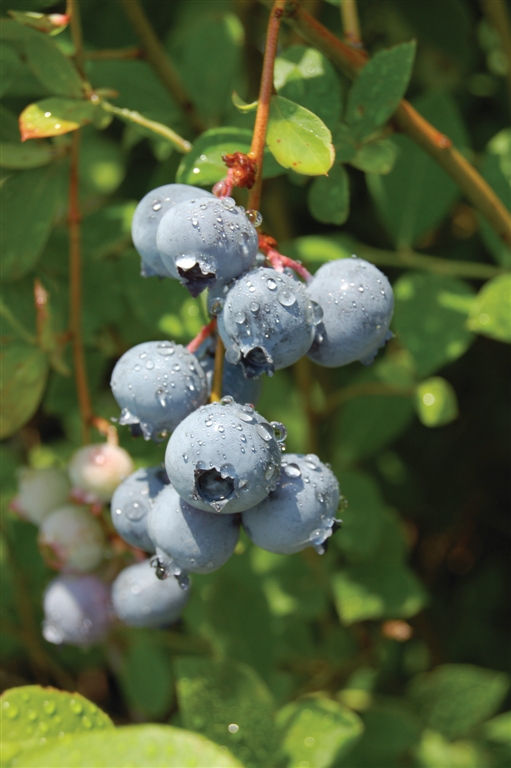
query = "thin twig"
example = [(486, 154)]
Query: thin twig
[(115, 53), (73, 11), (263, 106), (129, 115), (216, 389), (408, 120), (350, 23), (413, 260), (75, 292), (158, 58), (204, 333)]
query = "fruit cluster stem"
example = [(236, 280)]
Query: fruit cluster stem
[(409, 121), (263, 107), (350, 23)]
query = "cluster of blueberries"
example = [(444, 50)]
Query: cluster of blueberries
[(224, 463)]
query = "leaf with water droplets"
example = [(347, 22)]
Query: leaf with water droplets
[(31, 713), (140, 746), (54, 117), (298, 139)]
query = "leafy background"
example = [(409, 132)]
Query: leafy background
[(392, 649)]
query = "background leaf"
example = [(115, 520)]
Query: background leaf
[(329, 196), (52, 68), (490, 312), (435, 402), (23, 379)]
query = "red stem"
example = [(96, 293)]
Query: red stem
[(203, 334), (263, 107)]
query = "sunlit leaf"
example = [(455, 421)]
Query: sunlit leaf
[(53, 117), (435, 402), (490, 312)]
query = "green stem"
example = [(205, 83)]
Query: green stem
[(129, 115)]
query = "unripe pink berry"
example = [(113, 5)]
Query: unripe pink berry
[(98, 469)]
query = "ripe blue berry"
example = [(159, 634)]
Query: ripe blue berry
[(300, 512), (267, 322), (157, 384), (147, 217), (77, 610), (357, 303), (189, 540), (131, 503), (203, 241), (224, 457), (142, 600)]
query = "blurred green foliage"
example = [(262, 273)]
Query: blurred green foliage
[(392, 649)]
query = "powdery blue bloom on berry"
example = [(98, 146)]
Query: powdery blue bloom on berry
[(147, 217), (131, 503), (140, 599), (224, 457), (77, 610), (157, 384), (267, 322), (189, 540), (357, 303), (300, 512), (204, 241)]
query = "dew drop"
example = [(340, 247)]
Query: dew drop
[(157, 206), (271, 284), (265, 431), (279, 431), (254, 306), (286, 298), (240, 317), (292, 470)]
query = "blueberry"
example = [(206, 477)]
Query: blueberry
[(203, 241), (357, 303), (131, 503), (77, 610), (147, 217), (267, 322), (234, 382), (157, 384), (224, 457), (189, 540), (300, 512), (71, 538), (142, 600)]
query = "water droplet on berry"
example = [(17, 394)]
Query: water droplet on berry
[(292, 470), (254, 217), (286, 298), (254, 306), (279, 431), (271, 284), (156, 206), (265, 431), (240, 317)]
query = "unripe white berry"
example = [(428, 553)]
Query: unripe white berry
[(72, 539), (40, 492)]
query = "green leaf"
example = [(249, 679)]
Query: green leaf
[(416, 196), (430, 318), (317, 732), (52, 68), (363, 518), (454, 698), (490, 311), (203, 165), (24, 371), (305, 76), (298, 139), (389, 731), (329, 197), (55, 116), (51, 24), (241, 105), (379, 88), (147, 677), (435, 402), (436, 752), (315, 250), (499, 729), (9, 128), (496, 170), (22, 156), (344, 143), (12, 32), (9, 66), (217, 37), (215, 697), (31, 714), (377, 590), (39, 192), (140, 746), (376, 157)]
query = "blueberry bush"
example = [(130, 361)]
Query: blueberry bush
[(256, 290)]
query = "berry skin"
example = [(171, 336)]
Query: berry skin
[(300, 512), (131, 503), (147, 217), (157, 384), (40, 492), (189, 540), (142, 600), (267, 322), (357, 303), (77, 610), (71, 538), (204, 241), (234, 382), (224, 457), (96, 470)]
